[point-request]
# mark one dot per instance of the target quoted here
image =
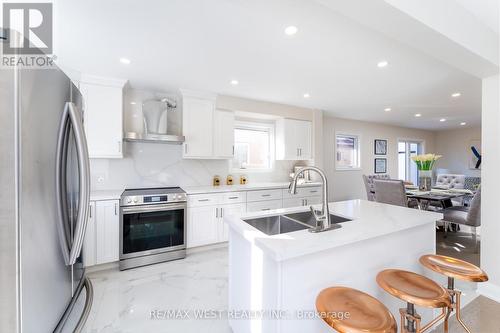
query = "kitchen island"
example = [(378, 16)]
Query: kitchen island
[(274, 277)]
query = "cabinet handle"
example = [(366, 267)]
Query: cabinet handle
[(300, 151), (233, 197), (313, 191), (116, 209), (265, 195), (221, 212), (203, 200), (90, 211), (266, 209), (119, 146), (233, 150), (216, 213), (297, 151), (185, 148), (305, 202)]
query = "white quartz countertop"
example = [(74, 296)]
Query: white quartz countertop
[(106, 195), (246, 187), (370, 220)]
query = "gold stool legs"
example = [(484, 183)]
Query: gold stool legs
[(411, 321), (455, 302)]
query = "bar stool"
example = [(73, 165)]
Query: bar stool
[(454, 269), (366, 314), (414, 289)]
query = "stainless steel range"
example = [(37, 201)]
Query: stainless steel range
[(152, 226)]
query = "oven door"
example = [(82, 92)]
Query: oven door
[(152, 229)]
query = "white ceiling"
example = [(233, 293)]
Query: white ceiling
[(204, 44), (484, 10)]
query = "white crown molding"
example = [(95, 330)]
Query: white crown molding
[(103, 81)]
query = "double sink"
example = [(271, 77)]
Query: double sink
[(282, 224)]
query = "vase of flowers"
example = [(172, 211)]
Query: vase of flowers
[(425, 163)]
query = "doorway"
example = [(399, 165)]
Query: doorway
[(407, 169)]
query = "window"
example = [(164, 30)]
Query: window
[(347, 152), (253, 144)]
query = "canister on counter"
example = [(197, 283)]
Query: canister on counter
[(243, 180), (229, 180), (216, 181)]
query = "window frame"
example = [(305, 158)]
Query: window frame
[(268, 127), (358, 157)]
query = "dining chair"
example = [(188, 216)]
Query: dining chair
[(369, 187), (392, 192), (449, 181), (468, 216)]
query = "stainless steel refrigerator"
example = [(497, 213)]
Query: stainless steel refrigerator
[(44, 200)]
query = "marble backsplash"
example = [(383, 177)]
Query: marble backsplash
[(155, 164)]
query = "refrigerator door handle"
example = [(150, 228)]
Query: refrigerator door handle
[(72, 247)]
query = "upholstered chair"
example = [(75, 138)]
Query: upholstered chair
[(450, 181), (390, 192), (469, 216), (370, 189)]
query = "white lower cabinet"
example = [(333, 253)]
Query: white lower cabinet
[(202, 228), (102, 237), (302, 201), (89, 242), (226, 210), (258, 206)]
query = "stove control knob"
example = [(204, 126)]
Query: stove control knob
[(129, 200), (135, 200)]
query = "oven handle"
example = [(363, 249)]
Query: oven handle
[(152, 208)]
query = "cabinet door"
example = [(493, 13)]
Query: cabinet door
[(202, 226), (226, 210), (107, 223), (103, 119), (303, 131), (294, 202), (224, 134), (89, 242), (197, 125)]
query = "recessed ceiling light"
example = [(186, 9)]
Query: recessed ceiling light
[(291, 30), (125, 61), (307, 95), (133, 103), (442, 120), (387, 109), (457, 94), (234, 82), (382, 64), (418, 115), (463, 123)]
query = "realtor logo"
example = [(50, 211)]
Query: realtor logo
[(34, 22)]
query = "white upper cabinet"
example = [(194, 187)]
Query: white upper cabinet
[(293, 139), (197, 125), (224, 134), (209, 133), (103, 116)]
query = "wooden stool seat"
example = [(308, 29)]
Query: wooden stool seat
[(366, 314), (454, 268), (413, 288)]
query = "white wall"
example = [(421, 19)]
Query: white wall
[(454, 145), (345, 185), (490, 223)]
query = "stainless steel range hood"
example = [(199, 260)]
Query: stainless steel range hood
[(154, 138)]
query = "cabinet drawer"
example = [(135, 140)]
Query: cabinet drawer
[(233, 197), (309, 191), (264, 205), (264, 195), (199, 200)]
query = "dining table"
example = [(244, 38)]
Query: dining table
[(436, 197)]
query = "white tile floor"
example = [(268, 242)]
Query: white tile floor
[(123, 301)]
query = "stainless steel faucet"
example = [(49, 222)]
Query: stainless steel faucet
[(323, 221)]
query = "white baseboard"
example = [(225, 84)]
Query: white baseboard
[(489, 290)]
